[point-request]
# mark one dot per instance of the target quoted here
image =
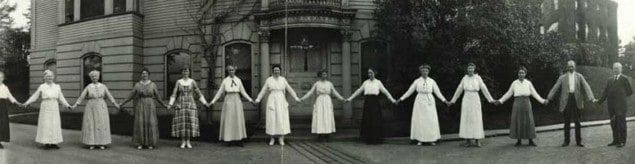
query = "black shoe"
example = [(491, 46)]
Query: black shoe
[(1, 147), (519, 143), (579, 145), (621, 145), (531, 143), (613, 144), (240, 144), (46, 147), (53, 146), (565, 144)]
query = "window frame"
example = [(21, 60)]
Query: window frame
[(83, 82), (166, 74)]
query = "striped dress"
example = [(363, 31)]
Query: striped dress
[(185, 121)]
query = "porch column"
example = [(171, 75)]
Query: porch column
[(346, 72), (264, 63)]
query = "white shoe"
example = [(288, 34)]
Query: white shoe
[(418, 143), (188, 145), (281, 140), (182, 146), (271, 142)]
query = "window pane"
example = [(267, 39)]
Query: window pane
[(69, 10), (239, 55), (90, 63), (175, 62), (119, 6), (374, 56), (52, 66), (91, 8)]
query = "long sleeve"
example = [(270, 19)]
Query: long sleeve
[(10, 96), (34, 97), (244, 92), (488, 96), (110, 97), (411, 90), (288, 88), (174, 93), (385, 92), (458, 92), (587, 88), (535, 94), (437, 91), (201, 97), (605, 93), (555, 88), (82, 96), (628, 88), (131, 96), (263, 91), (337, 94), (157, 96), (310, 92), (62, 99), (508, 94), (219, 93), (358, 91)]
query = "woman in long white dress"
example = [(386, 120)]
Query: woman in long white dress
[(277, 107), (425, 123), (323, 122), (49, 127), (471, 127), (232, 118), (96, 120), (371, 130)]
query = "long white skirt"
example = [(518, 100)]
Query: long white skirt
[(323, 119), (425, 123), (471, 117), (49, 126), (232, 119), (277, 114)]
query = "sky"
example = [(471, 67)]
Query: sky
[(626, 25)]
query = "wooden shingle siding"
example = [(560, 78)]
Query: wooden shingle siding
[(105, 28), (166, 16), (46, 27)]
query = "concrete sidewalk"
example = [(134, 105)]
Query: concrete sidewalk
[(496, 149)]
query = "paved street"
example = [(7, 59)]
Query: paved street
[(23, 149)]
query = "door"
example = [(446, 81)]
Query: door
[(306, 56)]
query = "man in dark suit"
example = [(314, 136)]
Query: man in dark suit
[(617, 90), (573, 90)]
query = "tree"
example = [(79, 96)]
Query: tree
[(628, 56), (14, 46), (5, 9), (497, 35), (209, 19)]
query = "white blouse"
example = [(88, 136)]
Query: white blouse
[(278, 84), (231, 85), (521, 88), (322, 88), (472, 83), (423, 86), (48, 92), (372, 87), (6, 94)]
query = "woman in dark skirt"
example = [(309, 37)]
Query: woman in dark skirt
[(6, 99), (372, 121), (522, 120), (146, 125)]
